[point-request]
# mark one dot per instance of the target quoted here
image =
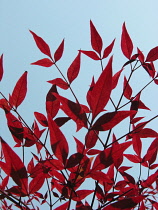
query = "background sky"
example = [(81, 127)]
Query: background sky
[(69, 19)]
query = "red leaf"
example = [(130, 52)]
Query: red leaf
[(74, 160), (89, 93), (81, 194), (140, 55), (60, 83), (127, 90), (147, 132), (58, 141), (108, 50), (90, 54), (41, 44), (16, 167), (52, 103), (79, 146), (133, 158), (73, 110), (41, 119), (115, 79), (142, 105), (96, 40), (63, 206), (109, 120), (137, 144), (59, 52), (126, 43), (60, 121), (19, 91), (152, 55), (4, 183), (101, 91), (43, 62), (5, 105), (36, 183), (1, 67), (74, 68), (91, 138)]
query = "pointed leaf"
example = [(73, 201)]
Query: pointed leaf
[(36, 183), (115, 79), (1, 67), (63, 206), (109, 120), (127, 89), (96, 40), (58, 141), (152, 55), (74, 160), (74, 68), (41, 119), (91, 138), (43, 62), (41, 44), (91, 54), (81, 194), (126, 43), (19, 91), (59, 52), (60, 83), (140, 55), (17, 169), (101, 91), (108, 50)]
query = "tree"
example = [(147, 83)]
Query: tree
[(54, 176)]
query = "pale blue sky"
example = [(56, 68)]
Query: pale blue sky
[(54, 20)]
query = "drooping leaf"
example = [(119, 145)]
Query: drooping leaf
[(52, 103), (101, 91), (1, 67), (58, 141), (91, 54), (127, 90), (96, 40), (59, 52), (126, 43), (16, 168), (108, 50), (20, 90), (43, 62), (152, 55), (115, 78), (41, 44), (109, 120), (74, 68), (60, 83), (41, 119), (36, 183)]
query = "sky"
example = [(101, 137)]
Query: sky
[(69, 19)]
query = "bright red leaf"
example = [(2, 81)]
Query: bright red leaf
[(41, 44), (91, 54), (96, 40), (43, 62), (60, 83), (127, 89), (41, 119), (36, 183), (81, 194), (59, 52), (63, 206), (20, 90), (126, 43), (108, 50), (74, 68), (152, 55), (101, 91), (115, 79), (1, 67)]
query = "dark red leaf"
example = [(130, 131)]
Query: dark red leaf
[(60, 121), (73, 110), (127, 90), (1, 67), (91, 54), (41, 44), (115, 79), (96, 40), (101, 91), (41, 119), (89, 93), (140, 55), (36, 183), (59, 52), (91, 138), (152, 55), (19, 92), (58, 141), (16, 167), (60, 83), (108, 50), (74, 160), (79, 146), (126, 43), (74, 68), (43, 62), (109, 120)]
